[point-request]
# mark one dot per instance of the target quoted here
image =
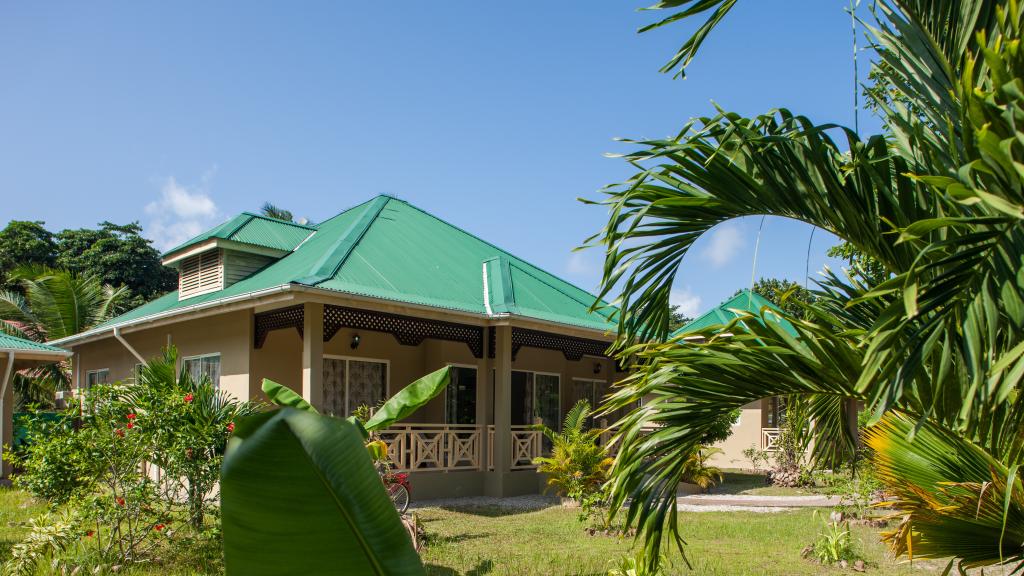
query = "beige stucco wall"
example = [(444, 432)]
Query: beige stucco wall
[(745, 433), (227, 334)]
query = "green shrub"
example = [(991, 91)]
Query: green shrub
[(834, 543), (137, 464), (578, 465)]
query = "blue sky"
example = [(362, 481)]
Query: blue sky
[(493, 116)]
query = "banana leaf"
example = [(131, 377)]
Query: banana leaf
[(285, 396), (299, 495), (410, 399)]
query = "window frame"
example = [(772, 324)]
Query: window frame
[(347, 359), (186, 359), (533, 392), (88, 373)]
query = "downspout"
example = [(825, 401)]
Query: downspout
[(117, 334), (3, 394)]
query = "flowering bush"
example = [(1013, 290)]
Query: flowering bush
[(137, 463)]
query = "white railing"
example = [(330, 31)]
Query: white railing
[(770, 439), (417, 447), (527, 444)]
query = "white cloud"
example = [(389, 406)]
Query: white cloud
[(688, 302), (580, 265), (724, 243), (180, 212)]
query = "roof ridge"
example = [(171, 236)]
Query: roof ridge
[(492, 245), (336, 256), (277, 220)]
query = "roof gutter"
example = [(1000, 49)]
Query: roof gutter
[(89, 334)]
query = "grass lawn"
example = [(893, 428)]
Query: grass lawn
[(551, 542)]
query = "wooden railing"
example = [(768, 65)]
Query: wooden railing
[(527, 444), (770, 439), (417, 447)]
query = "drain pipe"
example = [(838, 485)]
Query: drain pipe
[(117, 334), (8, 370)]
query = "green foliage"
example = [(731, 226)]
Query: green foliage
[(24, 243), (284, 396), (271, 211), (936, 201), (697, 471), (758, 458), (635, 565), (677, 319), (834, 543), (119, 256), (53, 304), (786, 294), (578, 465), (59, 464), (861, 264), (137, 463), (951, 497), (295, 477), (410, 399), (856, 486), (48, 537), (722, 427)]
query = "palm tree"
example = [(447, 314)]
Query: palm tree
[(56, 304), (937, 201), (271, 211)]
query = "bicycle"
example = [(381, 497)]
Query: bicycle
[(398, 489)]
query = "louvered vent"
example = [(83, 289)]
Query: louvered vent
[(200, 274)]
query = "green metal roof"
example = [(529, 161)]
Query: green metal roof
[(386, 248), (255, 230), (8, 342), (746, 301)]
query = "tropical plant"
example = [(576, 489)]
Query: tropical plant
[(53, 304), (48, 537), (757, 456), (296, 476), (937, 201), (578, 464), (634, 565), (834, 543), (698, 471)]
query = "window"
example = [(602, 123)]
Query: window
[(137, 371), (93, 377), (593, 391), (460, 396), (351, 382), (200, 274), (535, 395), (205, 366)]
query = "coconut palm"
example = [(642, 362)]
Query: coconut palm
[(55, 304), (937, 201), (271, 210)]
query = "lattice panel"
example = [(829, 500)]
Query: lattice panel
[(572, 348), (408, 330), (267, 322)]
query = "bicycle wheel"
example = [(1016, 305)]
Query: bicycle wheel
[(399, 497)]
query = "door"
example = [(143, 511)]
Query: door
[(460, 396), (334, 386)]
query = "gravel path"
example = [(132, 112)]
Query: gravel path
[(694, 503), (748, 500), (527, 503)]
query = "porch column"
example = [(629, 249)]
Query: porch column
[(6, 415), (313, 354), (502, 447)]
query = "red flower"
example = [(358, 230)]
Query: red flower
[(89, 533), (119, 432), (130, 425), (120, 501), (130, 416), (158, 527), (188, 398), (231, 426)]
